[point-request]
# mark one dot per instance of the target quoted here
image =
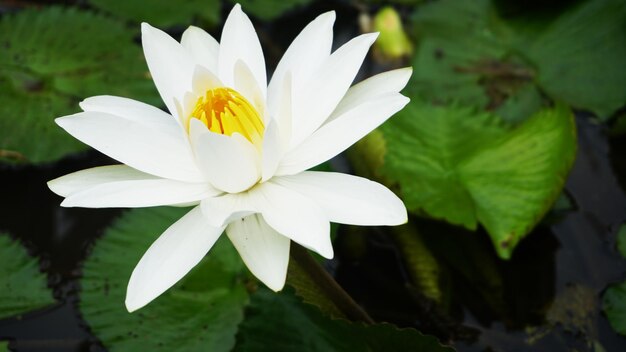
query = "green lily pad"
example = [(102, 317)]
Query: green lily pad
[(467, 53), (23, 287), (580, 57), (469, 167), (162, 13), (201, 312), (46, 68), (285, 324)]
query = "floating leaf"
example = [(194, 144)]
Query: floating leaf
[(4, 346), (614, 305), (280, 321), (23, 287), (162, 13), (580, 56), (467, 167), (468, 53), (51, 59), (202, 312), (461, 55), (269, 9)]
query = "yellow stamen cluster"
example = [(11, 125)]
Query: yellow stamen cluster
[(225, 111)]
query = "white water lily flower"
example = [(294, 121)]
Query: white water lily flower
[(238, 148)]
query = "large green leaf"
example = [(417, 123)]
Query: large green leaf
[(580, 57), (22, 286), (282, 322), (163, 13), (467, 167), (468, 53), (269, 9), (50, 59), (201, 313), (462, 55)]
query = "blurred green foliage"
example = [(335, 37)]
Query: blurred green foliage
[(468, 53), (23, 286), (163, 13), (285, 324), (268, 10), (52, 58)]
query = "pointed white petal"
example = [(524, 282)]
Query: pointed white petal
[(348, 199), (246, 84), (160, 150), (339, 134), (240, 42), (170, 64), (265, 251), (129, 109), (231, 164), (221, 210), (304, 56), (112, 186), (272, 150), (295, 216), (170, 257), (88, 178), (203, 47), (373, 87), (203, 81), (316, 101)]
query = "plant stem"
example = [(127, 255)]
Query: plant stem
[(328, 285)]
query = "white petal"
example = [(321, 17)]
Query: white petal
[(316, 101), (203, 47), (170, 64), (159, 150), (170, 257), (85, 179), (203, 81), (348, 199), (304, 56), (230, 163), (339, 134), (295, 216), (246, 84), (272, 150), (373, 87), (240, 42), (225, 208), (122, 186), (265, 251), (129, 109)]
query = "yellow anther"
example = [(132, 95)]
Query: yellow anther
[(225, 111)]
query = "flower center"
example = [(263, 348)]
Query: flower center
[(224, 111)]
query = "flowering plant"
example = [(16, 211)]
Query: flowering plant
[(237, 148)]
